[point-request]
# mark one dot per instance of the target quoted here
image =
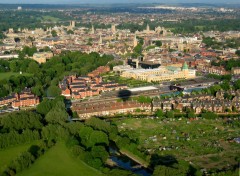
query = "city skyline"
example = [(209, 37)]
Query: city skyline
[(112, 1)]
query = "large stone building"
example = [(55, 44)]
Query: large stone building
[(42, 57), (160, 74)]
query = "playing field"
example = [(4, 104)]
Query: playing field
[(58, 162), (7, 75), (7, 155)]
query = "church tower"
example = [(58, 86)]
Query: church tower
[(113, 28), (93, 30), (148, 28), (100, 40), (135, 41)]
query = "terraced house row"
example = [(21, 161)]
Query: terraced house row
[(23, 99)]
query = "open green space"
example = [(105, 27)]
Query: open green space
[(7, 75), (206, 143), (48, 18), (130, 82), (58, 161), (7, 155)]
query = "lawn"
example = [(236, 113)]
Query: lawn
[(7, 155), (58, 161), (203, 142), (7, 75), (49, 19), (121, 80)]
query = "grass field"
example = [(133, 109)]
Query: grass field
[(7, 155), (49, 19), (7, 75), (58, 162), (206, 143), (129, 82)]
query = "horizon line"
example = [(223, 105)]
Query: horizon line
[(66, 3)]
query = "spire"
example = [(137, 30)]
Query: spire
[(113, 28), (100, 40), (93, 30), (148, 28), (135, 42)]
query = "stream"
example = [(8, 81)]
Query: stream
[(127, 163)]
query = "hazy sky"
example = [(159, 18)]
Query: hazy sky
[(113, 1)]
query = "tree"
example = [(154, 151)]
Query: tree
[(209, 115), (138, 49), (53, 91), (99, 152), (70, 32), (170, 114), (158, 43), (237, 84), (57, 115), (225, 85), (97, 137), (13, 66), (54, 33), (237, 52), (159, 113), (37, 90), (191, 114), (84, 134), (44, 107), (33, 67)]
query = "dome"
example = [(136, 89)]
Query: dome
[(185, 66)]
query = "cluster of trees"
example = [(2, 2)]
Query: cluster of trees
[(168, 114), (168, 166), (94, 136), (196, 25), (27, 158), (19, 127), (46, 76), (30, 19), (228, 65), (229, 43), (14, 138), (188, 26), (27, 51), (137, 51), (189, 113), (20, 121)]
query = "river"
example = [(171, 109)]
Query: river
[(127, 163)]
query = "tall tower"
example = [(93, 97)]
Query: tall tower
[(93, 30), (113, 28), (72, 24), (135, 41), (148, 28), (100, 40)]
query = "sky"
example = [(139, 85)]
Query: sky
[(112, 1)]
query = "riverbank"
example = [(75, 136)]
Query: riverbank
[(135, 158)]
